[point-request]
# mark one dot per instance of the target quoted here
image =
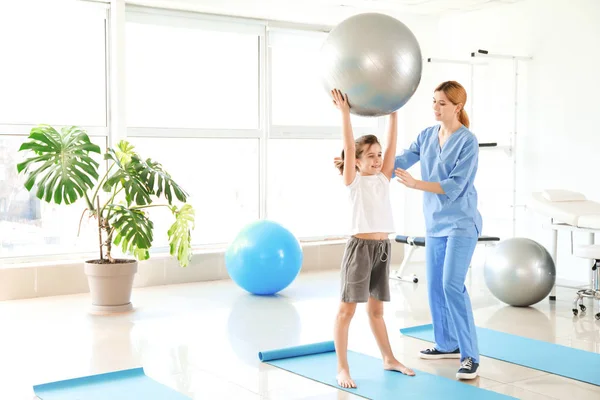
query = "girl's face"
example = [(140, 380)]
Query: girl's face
[(371, 160), (443, 109)]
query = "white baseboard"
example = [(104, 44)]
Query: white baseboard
[(63, 278)]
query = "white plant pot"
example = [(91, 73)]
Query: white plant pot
[(111, 285)]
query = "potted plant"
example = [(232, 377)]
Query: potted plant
[(60, 169)]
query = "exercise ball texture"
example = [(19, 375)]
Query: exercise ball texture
[(520, 272), (375, 59), (264, 258)]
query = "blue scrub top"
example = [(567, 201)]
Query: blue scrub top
[(454, 166)]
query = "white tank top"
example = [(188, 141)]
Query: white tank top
[(370, 204)]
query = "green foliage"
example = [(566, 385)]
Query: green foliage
[(133, 229), (179, 234), (60, 168)]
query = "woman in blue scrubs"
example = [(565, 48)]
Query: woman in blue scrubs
[(448, 153)]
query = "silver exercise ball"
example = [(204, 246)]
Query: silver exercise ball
[(375, 59), (519, 272)]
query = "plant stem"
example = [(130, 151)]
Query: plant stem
[(110, 200), (100, 230), (110, 230), (88, 201), (100, 185), (80, 219)]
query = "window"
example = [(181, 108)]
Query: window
[(53, 63), (305, 192), (183, 72), (201, 77), (221, 177), (298, 97), (30, 227), (53, 72)]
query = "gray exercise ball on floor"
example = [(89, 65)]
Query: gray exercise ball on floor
[(520, 272), (375, 59)]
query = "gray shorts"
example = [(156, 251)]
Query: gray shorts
[(365, 270)]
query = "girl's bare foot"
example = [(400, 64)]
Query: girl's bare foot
[(344, 380), (395, 365)]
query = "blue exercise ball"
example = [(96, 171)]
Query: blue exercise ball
[(264, 258)]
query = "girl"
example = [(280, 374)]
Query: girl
[(365, 265)]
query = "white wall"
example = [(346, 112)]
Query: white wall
[(558, 140), (316, 12)]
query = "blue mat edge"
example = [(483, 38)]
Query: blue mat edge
[(124, 373), (426, 327), (41, 391), (303, 352)]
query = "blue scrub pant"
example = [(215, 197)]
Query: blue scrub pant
[(448, 260)]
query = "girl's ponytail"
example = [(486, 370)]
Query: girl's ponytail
[(339, 164)]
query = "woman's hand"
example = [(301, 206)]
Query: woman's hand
[(340, 100), (405, 178)]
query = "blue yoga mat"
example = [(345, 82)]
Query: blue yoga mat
[(544, 356), (118, 385), (318, 362)]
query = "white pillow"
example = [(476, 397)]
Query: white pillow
[(562, 195)]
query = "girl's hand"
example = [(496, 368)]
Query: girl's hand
[(405, 178), (340, 100)]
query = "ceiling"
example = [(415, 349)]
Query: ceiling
[(424, 7), (326, 11)]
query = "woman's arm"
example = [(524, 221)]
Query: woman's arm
[(407, 180), (390, 150), (410, 156), (457, 179), (462, 172)]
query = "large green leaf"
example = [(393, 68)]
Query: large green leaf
[(159, 181), (180, 234), (124, 152), (133, 230), (121, 154), (140, 178), (62, 167), (128, 175)]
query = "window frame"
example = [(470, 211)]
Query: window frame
[(266, 129), (25, 129), (278, 131), (164, 17), (118, 14)]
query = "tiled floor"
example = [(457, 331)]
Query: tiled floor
[(202, 339)]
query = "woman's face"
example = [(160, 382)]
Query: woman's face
[(443, 109)]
